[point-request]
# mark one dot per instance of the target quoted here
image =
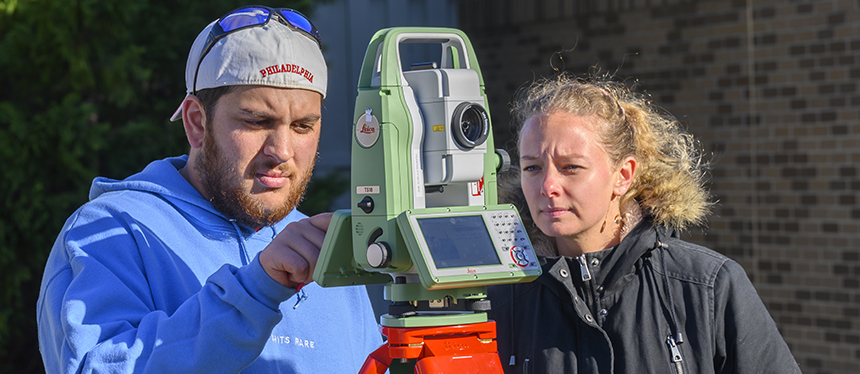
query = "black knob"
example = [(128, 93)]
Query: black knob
[(480, 305), (366, 204)]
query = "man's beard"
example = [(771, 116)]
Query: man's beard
[(223, 185)]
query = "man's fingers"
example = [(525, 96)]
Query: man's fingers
[(307, 250), (280, 264), (321, 221), (312, 230), (291, 258)]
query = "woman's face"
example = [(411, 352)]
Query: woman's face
[(568, 181)]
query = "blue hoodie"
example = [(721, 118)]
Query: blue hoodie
[(149, 277)]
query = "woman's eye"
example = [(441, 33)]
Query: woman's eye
[(531, 168)]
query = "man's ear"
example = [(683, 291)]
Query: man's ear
[(625, 176), (194, 120)]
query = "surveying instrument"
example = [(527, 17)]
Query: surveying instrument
[(424, 217)]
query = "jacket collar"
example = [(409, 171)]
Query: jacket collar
[(612, 264)]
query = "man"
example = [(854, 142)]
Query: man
[(200, 263)]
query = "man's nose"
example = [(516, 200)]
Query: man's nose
[(279, 144)]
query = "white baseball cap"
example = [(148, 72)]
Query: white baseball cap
[(270, 54)]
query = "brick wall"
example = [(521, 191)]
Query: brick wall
[(770, 88)]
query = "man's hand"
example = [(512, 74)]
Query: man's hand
[(290, 258)]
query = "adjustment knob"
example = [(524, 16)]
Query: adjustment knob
[(378, 255), (366, 204), (481, 305), (503, 160)]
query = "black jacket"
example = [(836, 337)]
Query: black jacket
[(625, 318)]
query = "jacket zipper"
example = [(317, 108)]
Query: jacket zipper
[(583, 268), (673, 340), (676, 354), (586, 282)]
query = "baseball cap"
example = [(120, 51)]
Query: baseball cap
[(271, 54)]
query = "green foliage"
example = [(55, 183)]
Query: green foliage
[(8, 6), (87, 90), (39, 192), (322, 189)]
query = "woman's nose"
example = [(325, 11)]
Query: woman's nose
[(550, 184)]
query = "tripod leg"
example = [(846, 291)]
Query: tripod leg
[(377, 362)]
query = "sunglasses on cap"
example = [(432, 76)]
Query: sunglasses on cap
[(251, 16)]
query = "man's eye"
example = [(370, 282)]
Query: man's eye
[(256, 124), (531, 168), (303, 128)]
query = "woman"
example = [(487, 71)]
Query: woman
[(609, 181)]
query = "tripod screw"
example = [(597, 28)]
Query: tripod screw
[(481, 305)]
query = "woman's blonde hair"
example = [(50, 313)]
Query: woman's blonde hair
[(669, 183)]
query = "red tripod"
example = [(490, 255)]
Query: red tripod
[(469, 348)]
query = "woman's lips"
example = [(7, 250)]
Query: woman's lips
[(554, 212)]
